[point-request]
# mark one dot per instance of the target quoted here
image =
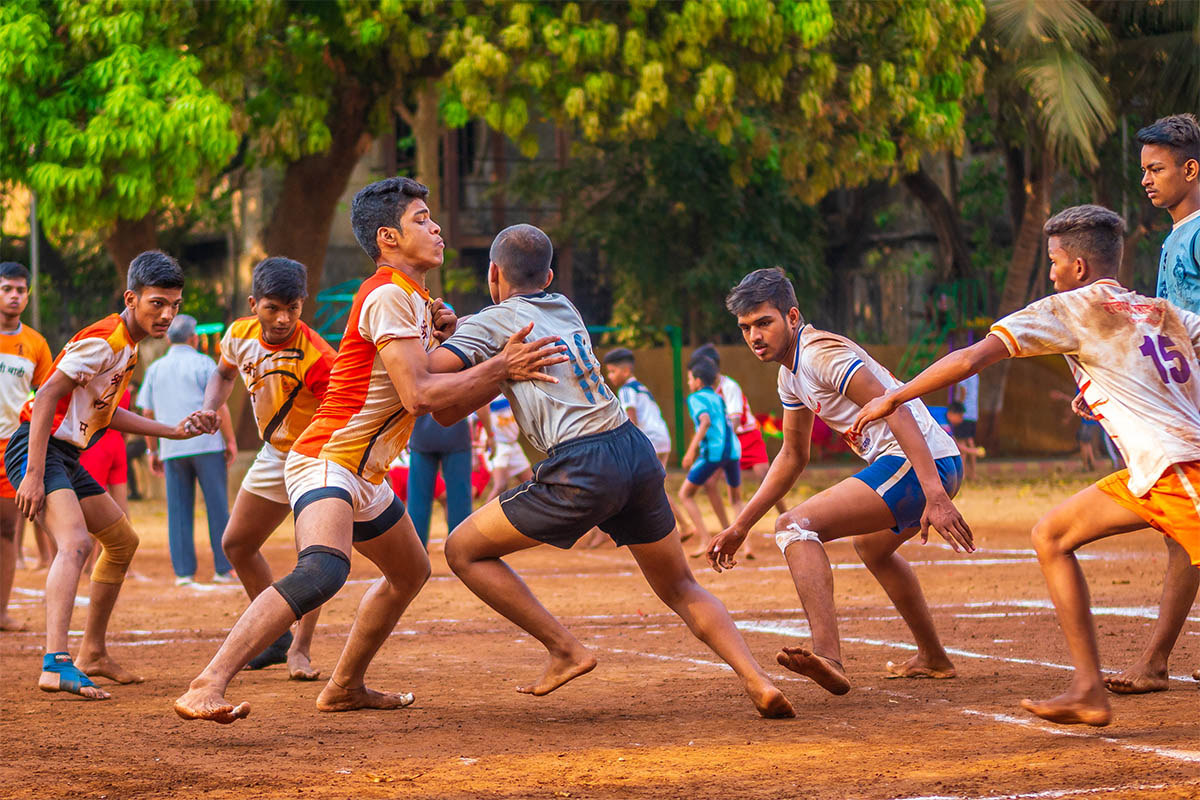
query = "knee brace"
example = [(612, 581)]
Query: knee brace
[(794, 533), (119, 543), (320, 572)]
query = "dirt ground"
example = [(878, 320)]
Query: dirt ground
[(659, 718)]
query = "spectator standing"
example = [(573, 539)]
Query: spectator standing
[(173, 388), (432, 446)]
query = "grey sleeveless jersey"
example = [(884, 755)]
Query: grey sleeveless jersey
[(581, 403)]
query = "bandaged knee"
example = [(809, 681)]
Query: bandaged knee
[(119, 543), (794, 533), (319, 574)]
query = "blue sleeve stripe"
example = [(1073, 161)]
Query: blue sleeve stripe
[(792, 405), (849, 372), (466, 361)]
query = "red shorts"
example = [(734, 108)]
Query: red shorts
[(106, 461), (399, 478), (754, 449), (6, 488)]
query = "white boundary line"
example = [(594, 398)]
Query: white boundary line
[(1051, 794)]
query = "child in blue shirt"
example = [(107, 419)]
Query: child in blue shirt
[(714, 446)]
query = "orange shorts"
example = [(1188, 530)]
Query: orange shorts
[(6, 488), (1172, 505)]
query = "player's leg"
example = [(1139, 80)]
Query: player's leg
[(9, 519), (878, 552), (687, 500), (400, 556), (64, 521), (180, 480), (668, 574), (712, 488), (1149, 672), (456, 469), (475, 551), (323, 536), (45, 543), (682, 523), (213, 476), (760, 473), (1085, 517), (112, 530), (422, 475), (849, 508), (500, 478), (733, 478)]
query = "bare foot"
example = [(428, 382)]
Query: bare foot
[(559, 671), (300, 668), (337, 698), (1069, 709), (920, 667), (827, 673), (1138, 679), (1196, 675), (771, 703), (54, 682), (104, 667), (685, 535), (210, 704), (8, 623)]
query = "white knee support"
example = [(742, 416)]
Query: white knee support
[(794, 533)]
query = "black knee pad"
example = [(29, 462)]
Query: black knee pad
[(319, 574)]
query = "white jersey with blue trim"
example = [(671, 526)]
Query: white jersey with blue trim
[(817, 378), (580, 404), (649, 416)]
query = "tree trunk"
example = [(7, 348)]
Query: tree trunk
[(312, 187), (427, 135), (1128, 254), (1027, 254), (127, 239), (953, 255)]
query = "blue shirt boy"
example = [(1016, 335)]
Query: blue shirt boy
[(1179, 266)]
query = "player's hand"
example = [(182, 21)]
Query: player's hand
[(31, 496), (188, 427), (445, 321), (940, 513), (724, 546), (231, 451), (689, 458), (880, 407), (1082, 409), (156, 465), (526, 360)]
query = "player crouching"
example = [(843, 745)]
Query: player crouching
[(601, 470)]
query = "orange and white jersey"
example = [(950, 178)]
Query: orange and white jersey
[(1134, 359), (361, 424), (286, 381), (25, 363), (100, 359)]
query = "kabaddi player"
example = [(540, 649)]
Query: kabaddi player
[(600, 470), (1134, 359), (72, 409), (25, 361), (508, 459), (336, 468), (1171, 178), (285, 366), (913, 470)]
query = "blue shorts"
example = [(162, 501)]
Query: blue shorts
[(894, 479), (702, 470)]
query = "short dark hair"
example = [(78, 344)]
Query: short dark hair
[(282, 278), (622, 355), (956, 408), (1179, 132), (156, 269), (523, 253), (11, 270), (1091, 232), (709, 351), (704, 370), (768, 285), (381, 205)]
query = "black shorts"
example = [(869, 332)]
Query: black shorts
[(613, 480), (62, 465), (964, 429)]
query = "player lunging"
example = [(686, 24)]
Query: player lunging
[(913, 469), (1134, 359), (285, 365), (601, 470)]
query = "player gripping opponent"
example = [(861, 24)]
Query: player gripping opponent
[(335, 471), (285, 365), (1134, 359), (601, 470), (73, 408), (913, 469)]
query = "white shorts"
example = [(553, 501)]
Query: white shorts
[(265, 477), (376, 507), (510, 456)]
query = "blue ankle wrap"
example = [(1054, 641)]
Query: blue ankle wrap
[(70, 678)]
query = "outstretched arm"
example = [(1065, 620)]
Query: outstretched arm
[(782, 475), (952, 368), (126, 421)]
